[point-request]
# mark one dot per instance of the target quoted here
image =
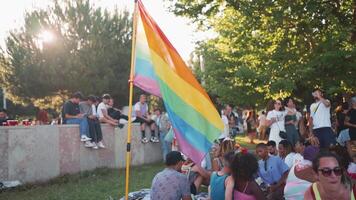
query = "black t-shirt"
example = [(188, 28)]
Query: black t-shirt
[(352, 115), (341, 121), (70, 108)]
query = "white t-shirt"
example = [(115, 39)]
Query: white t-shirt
[(102, 106), (320, 115), (93, 108), (292, 158), (226, 125), (279, 115), (137, 107)]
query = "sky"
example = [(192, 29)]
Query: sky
[(179, 31)]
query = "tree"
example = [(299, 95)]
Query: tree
[(268, 49), (70, 46)]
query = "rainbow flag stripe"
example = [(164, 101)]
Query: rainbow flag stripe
[(161, 71)]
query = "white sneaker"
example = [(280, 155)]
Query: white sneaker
[(144, 140), (84, 138), (89, 144), (101, 145), (95, 146)]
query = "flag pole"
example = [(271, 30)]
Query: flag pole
[(128, 145)]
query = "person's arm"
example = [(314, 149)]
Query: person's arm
[(229, 187), (256, 191), (306, 174), (68, 116), (347, 122), (325, 101), (281, 182), (105, 113)]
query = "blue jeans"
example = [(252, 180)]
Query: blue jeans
[(166, 146), (83, 125)]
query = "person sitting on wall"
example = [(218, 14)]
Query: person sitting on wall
[(142, 115), (102, 111), (115, 113), (86, 108), (71, 115)]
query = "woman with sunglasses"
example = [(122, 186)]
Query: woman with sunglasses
[(275, 120), (329, 174)]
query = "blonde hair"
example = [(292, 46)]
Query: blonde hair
[(227, 146)]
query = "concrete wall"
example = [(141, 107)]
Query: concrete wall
[(39, 153)]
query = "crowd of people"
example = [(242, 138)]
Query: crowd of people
[(304, 156), (90, 112)]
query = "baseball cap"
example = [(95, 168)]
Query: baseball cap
[(173, 157)]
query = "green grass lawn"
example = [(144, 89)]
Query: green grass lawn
[(100, 184)]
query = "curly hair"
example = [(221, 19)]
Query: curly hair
[(226, 147), (244, 166)]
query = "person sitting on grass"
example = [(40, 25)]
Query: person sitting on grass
[(102, 111), (273, 171), (86, 108), (170, 183), (244, 166), (71, 115), (227, 145), (286, 153), (221, 180), (301, 175), (330, 176), (142, 116), (272, 148)]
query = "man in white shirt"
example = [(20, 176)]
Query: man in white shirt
[(320, 120), (102, 112), (142, 115)]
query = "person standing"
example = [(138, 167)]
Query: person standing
[(320, 122), (251, 122), (164, 126), (350, 120), (275, 120), (71, 115), (262, 122), (291, 121)]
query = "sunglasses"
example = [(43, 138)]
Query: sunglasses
[(327, 171)]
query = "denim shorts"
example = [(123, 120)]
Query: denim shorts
[(325, 136)]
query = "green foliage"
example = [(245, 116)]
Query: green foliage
[(90, 52), (269, 49)]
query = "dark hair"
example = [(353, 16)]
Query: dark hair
[(287, 145), (106, 96), (270, 105), (286, 100), (345, 106), (261, 145), (324, 154), (271, 143), (77, 95), (318, 89), (92, 98), (157, 109), (173, 158), (342, 153), (301, 140), (229, 157), (244, 166), (3, 110)]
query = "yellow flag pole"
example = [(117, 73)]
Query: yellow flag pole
[(128, 145)]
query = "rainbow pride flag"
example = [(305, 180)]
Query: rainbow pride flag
[(161, 71)]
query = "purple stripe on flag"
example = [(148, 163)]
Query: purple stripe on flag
[(147, 85), (194, 154)]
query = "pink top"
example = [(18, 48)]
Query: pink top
[(242, 195)]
